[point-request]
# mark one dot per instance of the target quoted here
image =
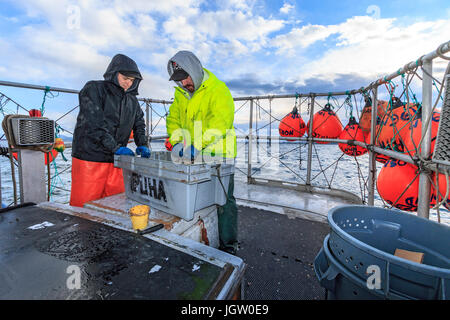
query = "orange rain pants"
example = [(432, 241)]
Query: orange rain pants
[(94, 180)]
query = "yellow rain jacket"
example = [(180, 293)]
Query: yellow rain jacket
[(204, 118)]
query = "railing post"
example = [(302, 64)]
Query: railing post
[(372, 156), (423, 206), (250, 142), (270, 121), (309, 161), (147, 121)]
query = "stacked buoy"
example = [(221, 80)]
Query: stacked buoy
[(326, 124), (292, 125), (412, 139), (398, 184), (398, 181), (352, 131), (395, 127)]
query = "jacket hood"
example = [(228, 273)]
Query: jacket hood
[(122, 63), (189, 63)]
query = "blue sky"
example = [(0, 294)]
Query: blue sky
[(256, 47)]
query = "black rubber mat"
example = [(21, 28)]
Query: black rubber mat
[(40, 250), (279, 252)]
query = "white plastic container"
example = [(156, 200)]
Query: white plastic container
[(177, 189)]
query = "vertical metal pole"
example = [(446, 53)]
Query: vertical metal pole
[(372, 156), (250, 141), (270, 121), (423, 208), (256, 123), (147, 121), (151, 119), (309, 163)]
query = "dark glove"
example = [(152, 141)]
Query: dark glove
[(177, 150), (143, 151), (190, 153), (124, 151), (168, 145)]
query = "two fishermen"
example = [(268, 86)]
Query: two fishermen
[(109, 111)]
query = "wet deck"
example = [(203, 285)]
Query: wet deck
[(289, 199), (113, 263), (39, 243), (281, 230)]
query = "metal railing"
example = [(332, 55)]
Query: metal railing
[(157, 109)]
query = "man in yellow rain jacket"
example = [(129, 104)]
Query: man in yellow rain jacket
[(200, 126)]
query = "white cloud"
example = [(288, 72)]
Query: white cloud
[(302, 38), (379, 48), (234, 38), (362, 45), (238, 25), (45, 50), (286, 8)]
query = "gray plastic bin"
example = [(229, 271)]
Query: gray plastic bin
[(177, 189), (363, 237)]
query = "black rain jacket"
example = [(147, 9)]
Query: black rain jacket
[(108, 114)]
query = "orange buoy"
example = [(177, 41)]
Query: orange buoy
[(378, 157), (292, 125), (398, 184), (365, 122), (326, 124), (366, 115), (352, 131), (52, 156), (395, 126), (412, 139), (35, 113)]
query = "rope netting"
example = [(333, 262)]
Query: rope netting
[(413, 108)]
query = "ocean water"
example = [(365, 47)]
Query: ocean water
[(285, 161)]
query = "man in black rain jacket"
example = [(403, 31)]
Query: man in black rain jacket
[(109, 111)]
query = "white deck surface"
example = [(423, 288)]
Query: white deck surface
[(282, 200)]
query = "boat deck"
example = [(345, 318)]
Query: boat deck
[(291, 199), (280, 232), (279, 251)]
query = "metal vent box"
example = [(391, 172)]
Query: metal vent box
[(177, 189), (33, 131)]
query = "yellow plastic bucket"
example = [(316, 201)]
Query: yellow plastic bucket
[(139, 216)]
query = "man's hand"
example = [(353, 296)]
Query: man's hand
[(190, 153), (124, 151), (143, 151), (177, 150)]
